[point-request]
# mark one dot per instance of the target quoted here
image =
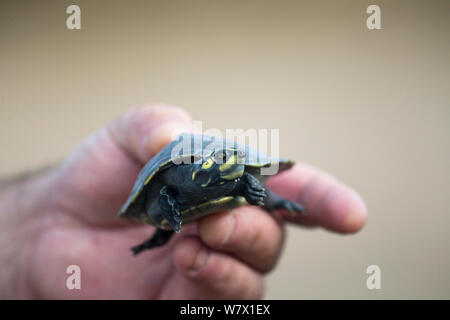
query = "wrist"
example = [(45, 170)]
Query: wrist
[(24, 201)]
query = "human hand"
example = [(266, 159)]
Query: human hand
[(68, 216)]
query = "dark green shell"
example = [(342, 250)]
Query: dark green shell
[(186, 148)]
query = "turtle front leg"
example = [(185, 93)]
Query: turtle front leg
[(170, 208), (252, 190), (275, 202)]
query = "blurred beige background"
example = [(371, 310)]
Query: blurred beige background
[(371, 107)]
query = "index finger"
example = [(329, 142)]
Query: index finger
[(330, 203)]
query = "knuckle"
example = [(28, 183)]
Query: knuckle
[(235, 281)]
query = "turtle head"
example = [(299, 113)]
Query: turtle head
[(220, 166)]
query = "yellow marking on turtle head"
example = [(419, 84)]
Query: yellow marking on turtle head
[(235, 174), (229, 164), (206, 184), (193, 174), (207, 164)]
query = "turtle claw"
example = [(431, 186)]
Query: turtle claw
[(254, 192), (176, 226), (174, 219), (170, 209), (256, 198)]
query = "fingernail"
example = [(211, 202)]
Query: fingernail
[(162, 135), (230, 226), (179, 130)]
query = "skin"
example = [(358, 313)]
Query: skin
[(67, 215)]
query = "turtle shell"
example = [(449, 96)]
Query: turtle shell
[(189, 148)]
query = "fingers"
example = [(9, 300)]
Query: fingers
[(248, 233), (330, 203), (217, 275), (143, 132)]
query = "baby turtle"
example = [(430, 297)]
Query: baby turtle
[(197, 175)]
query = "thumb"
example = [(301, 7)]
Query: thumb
[(144, 131)]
